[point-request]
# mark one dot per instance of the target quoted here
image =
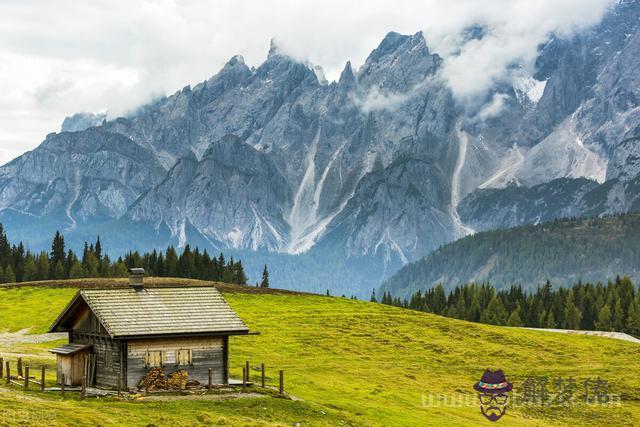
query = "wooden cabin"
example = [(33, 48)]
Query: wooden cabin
[(128, 331)]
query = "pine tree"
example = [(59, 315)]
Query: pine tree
[(92, 265), (98, 249), (373, 296), (461, 309), (30, 269), (604, 319), (618, 317), (439, 300), (43, 266), (514, 318), (240, 277), (550, 322), (451, 312), (171, 262), (633, 319), (9, 275), (572, 315), (76, 271), (265, 278), (58, 271), (57, 249), (473, 314), (495, 313)]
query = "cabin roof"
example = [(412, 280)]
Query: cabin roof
[(145, 312), (70, 348)]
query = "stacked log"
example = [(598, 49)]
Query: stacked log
[(155, 379), (177, 380)]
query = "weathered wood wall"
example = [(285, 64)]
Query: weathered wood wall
[(87, 329), (72, 366), (87, 322), (206, 352)]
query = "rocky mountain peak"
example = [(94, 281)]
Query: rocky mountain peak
[(398, 64), (347, 78), (274, 49), (81, 121)]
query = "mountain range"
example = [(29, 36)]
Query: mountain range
[(338, 184)]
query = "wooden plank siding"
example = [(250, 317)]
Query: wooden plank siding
[(108, 360), (71, 366), (206, 352), (88, 323), (87, 329)]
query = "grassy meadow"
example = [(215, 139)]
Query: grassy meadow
[(349, 362)]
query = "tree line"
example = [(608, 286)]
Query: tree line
[(20, 265), (614, 306), (529, 254)]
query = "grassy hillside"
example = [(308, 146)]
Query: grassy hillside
[(351, 363), (562, 251)]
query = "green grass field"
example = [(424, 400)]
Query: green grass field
[(350, 363)]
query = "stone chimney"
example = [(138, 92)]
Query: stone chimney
[(136, 278)]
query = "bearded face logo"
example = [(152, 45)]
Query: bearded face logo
[(492, 392)]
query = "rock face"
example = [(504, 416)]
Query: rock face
[(382, 165), (81, 121)]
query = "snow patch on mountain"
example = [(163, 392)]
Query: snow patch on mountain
[(528, 90)]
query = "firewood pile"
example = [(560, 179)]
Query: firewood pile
[(155, 379)]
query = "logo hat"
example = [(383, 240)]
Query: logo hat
[(493, 382)]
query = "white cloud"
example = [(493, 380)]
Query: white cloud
[(378, 100), (493, 107), (57, 58), (514, 30)]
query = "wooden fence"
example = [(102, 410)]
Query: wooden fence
[(246, 378), (23, 377)]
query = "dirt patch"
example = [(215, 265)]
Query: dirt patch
[(23, 337), (614, 335)]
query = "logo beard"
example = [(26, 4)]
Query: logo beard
[(493, 413)]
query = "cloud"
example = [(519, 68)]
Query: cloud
[(53, 89), (67, 56), (493, 107), (513, 30), (376, 100)]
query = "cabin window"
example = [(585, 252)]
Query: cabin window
[(183, 357), (154, 359)]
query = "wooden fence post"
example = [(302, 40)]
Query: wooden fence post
[(244, 378), (282, 382), (42, 379), (119, 385), (26, 377), (20, 367), (247, 371), (83, 387), (1, 367), (62, 385), (262, 369), (210, 379), (8, 372)]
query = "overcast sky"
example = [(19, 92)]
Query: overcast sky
[(61, 57)]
